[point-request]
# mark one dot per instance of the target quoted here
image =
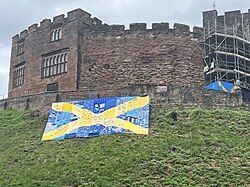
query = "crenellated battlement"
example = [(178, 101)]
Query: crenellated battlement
[(157, 28), (231, 22), (24, 33), (32, 28), (45, 23), (73, 15), (95, 25), (59, 18)]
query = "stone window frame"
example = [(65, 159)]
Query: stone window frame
[(56, 34), (18, 75), (53, 87), (20, 48), (54, 65)]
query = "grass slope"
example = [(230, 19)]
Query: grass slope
[(203, 148)]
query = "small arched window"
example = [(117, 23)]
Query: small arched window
[(61, 59), (60, 34), (44, 68), (61, 64), (55, 35), (52, 35), (58, 59), (47, 67), (58, 64), (54, 60), (50, 61), (47, 62), (65, 68), (54, 66), (50, 66), (65, 57), (21, 48)]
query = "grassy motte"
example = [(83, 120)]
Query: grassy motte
[(185, 148)]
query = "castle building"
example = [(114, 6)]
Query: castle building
[(78, 53)]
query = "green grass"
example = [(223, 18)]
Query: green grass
[(201, 148)]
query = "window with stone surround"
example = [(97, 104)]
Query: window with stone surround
[(55, 65), (56, 34), (18, 75), (20, 48), (52, 87)]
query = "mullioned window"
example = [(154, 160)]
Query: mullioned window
[(20, 48), (18, 75), (56, 34), (55, 65)]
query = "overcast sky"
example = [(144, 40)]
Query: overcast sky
[(17, 15)]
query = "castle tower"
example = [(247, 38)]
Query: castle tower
[(46, 57), (227, 49)]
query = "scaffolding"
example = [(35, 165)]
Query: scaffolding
[(227, 53)]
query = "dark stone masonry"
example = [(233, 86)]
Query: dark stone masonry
[(78, 57)]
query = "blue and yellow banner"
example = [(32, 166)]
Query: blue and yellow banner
[(94, 117)]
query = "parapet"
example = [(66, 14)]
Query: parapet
[(231, 19), (181, 29), (95, 25), (138, 26), (24, 33), (58, 19), (80, 14), (116, 28), (209, 18), (97, 21), (15, 38), (45, 23), (233, 13), (73, 15), (210, 13), (198, 32), (33, 27), (134, 28), (160, 26)]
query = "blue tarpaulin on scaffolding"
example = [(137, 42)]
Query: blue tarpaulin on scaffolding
[(220, 86)]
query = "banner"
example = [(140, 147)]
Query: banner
[(95, 117)]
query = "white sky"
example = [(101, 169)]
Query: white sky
[(17, 15)]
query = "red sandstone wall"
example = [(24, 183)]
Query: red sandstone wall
[(37, 44), (158, 98), (111, 62)]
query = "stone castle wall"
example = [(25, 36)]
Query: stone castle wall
[(109, 60), (113, 57), (161, 97)]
